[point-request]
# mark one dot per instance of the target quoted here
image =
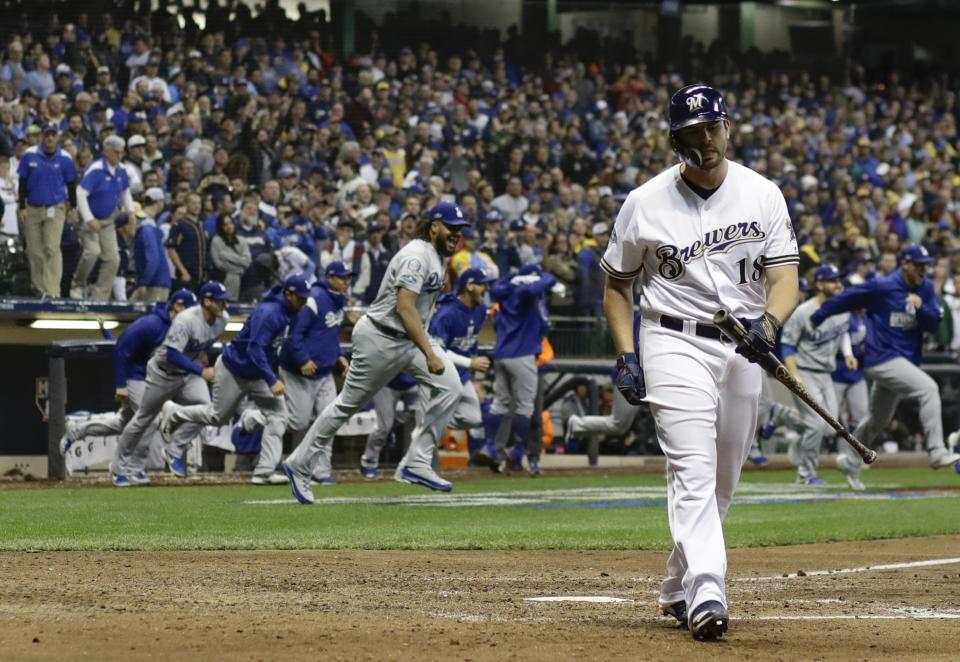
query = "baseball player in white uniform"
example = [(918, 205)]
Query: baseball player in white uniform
[(702, 235), (392, 338), (175, 372), (810, 354)]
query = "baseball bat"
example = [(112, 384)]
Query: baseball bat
[(733, 329)]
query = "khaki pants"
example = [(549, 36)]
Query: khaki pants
[(98, 245), (150, 294), (42, 231)]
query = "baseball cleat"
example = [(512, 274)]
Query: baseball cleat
[(425, 476), (533, 466), (941, 457), (139, 478), (120, 480), (709, 621), (370, 473), (516, 459), (812, 481), (767, 430), (272, 479), (847, 467), (679, 611), (175, 464), (326, 480), (167, 425), (299, 485), (757, 457)]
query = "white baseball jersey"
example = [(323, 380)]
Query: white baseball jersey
[(190, 334), (416, 267), (695, 256)]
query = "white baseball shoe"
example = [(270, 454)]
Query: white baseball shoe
[(422, 476), (273, 479), (299, 484), (953, 441), (167, 425), (941, 457), (852, 473)]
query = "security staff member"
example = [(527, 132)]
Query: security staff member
[(48, 178), (105, 187)]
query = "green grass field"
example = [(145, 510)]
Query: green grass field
[(554, 512)]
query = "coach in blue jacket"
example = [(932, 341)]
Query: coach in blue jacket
[(521, 325), (900, 307), (130, 356), (310, 356), (246, 369), (149, 254)]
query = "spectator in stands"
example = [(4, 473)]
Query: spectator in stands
[(376, 256), (48, 181), (187, 246), (251, 231), (511, 204), (231, 256), (588, 293), (153, 273)]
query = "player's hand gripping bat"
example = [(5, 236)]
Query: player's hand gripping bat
[(733, 329)]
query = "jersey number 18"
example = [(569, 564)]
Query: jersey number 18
[(754, 274)]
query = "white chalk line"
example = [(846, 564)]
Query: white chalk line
[(847, 571), (897, 614)]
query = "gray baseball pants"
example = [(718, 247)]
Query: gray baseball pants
[(385, 405), (618, 422), (104, 425), (514, 394), (467, 415), (133, 445), (813, 429), (856, 397), (228, 390), (891, 381), (305, 397), (377, 359)]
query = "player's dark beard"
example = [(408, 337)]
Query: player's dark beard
[(440, 243)]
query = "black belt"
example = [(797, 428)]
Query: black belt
[(386, 330), (700, 329), (56, 204)]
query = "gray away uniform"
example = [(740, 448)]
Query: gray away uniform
[(381, 350), (816, 359), (191, 335)]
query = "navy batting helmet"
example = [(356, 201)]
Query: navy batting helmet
[(694, 104)]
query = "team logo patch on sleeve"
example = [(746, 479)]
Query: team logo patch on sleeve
[(613, 236)]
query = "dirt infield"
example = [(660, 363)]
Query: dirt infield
[(367, 605)]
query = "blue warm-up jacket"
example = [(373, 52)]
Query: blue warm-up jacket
[(521, 323), (893, 330), (458, 326), (150, 256), (316, 333), (136, 345), (252, 353)]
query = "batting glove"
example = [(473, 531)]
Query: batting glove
[(760, 338), (630, 379)]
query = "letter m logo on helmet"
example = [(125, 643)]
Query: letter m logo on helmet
[(696, 101)]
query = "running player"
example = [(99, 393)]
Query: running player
[(809, 355), (901, 307), (704, 234), (392, 338), (176, 371)]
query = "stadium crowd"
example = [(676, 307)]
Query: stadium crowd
[(251, 153)]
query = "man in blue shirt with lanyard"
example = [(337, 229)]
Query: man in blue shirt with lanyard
[(900, 308), (48, 177), (105, 188)]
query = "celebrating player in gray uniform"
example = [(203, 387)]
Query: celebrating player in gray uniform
[(391, 338), (177, 372), (700, 235), (809, 355)]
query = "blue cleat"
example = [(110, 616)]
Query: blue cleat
[(709, 621), (175, 464), (757, 458), (679, 611), (370, 473), (326, 480), (533, 465), (120, 480), (516, 458), (140, 478), (300, 486), (425, 476), (812, 481)]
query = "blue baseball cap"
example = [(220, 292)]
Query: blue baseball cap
[(915, 253), (338, 269), (532, 268), (826, 272), (214, 289), (296, 284), (186, 297), (448, 213), (473, 275)]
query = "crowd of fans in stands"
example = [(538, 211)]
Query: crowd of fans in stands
[(274, 156)]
